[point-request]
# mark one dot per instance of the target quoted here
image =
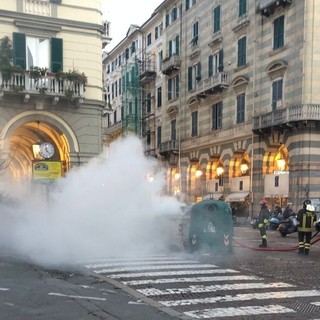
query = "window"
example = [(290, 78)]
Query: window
[(216, 19), (217, 116), (159, 97), (160, 58), (115, 116), (242, 7), (242, 54), (158, 136), (148, 138), (174, 46), (190, 3), (276, 93), (36, 52), (148, 102), (278, 36), (194, 123), (119, 86), (148, 39), (133, 47), (240, 107), (215, 63), (173, 88), (195, 33), (173, 126), (174, 14), (194, 76)]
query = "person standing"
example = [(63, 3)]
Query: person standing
[(306, 218), (263, 221)]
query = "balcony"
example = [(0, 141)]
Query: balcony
[(113, 130), (267, 7), (148, 71), (48, 86), (169, 147), (38, 7), (170, 64), (212, 85), (286, 117)]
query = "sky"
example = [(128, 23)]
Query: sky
[(123, 13)]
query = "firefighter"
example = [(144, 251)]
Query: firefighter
[(263, 221), (306, 218)]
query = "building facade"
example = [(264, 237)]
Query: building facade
[(51, 84), (234, 105)]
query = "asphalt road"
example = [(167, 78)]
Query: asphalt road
[(29, 292)]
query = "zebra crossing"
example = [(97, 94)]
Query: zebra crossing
[(205, 291)]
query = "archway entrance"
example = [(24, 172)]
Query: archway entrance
[(21, 149)]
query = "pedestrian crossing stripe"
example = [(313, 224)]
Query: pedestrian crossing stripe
[(149, 292), (162, 267), (168, 273), (238, 311), (244, 297), (138, 263), (193, 279)]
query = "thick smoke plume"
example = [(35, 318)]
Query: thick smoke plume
[(108, 207)]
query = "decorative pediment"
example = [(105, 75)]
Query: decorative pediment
[(216, 41), (239, 84), (173, 110), (193, 102), (276, 69), (194, 54), (241, 27)]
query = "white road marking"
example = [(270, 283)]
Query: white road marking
[(317, 303), (208, 289), (244, 297), (239, 311), (194, 279), (170, 273), (4, 289), (177, 266), (75, 297), (130, 263)]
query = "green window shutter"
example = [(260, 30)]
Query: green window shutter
[(177, 45), (210, 66), (19, 50), (216, 17), (242, 7), (190, 78), (170, 48), (221, 60), (278, 39), (169, 89), (56, 55)]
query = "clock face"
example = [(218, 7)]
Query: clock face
[(46, 150)]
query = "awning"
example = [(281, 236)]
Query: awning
[(236, 197), (214, 196)]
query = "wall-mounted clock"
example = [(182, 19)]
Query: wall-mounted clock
[(46, 150)]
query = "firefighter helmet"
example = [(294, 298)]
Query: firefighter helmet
[(306, 202)]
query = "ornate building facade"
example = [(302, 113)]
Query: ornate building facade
[(51, 85), (228, 98)]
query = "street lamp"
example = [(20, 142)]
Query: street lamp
[(198, 173), (244, 168), (219, 171), (281, 164)]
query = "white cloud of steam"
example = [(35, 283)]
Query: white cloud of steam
[(105, 208)]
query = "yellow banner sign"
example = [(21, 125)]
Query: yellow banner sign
[(46, 170)]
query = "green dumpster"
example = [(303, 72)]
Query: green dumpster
[(211, 226)]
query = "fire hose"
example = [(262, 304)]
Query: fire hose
[(275, 249)]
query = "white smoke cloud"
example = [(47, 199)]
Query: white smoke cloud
[(107, 207)]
